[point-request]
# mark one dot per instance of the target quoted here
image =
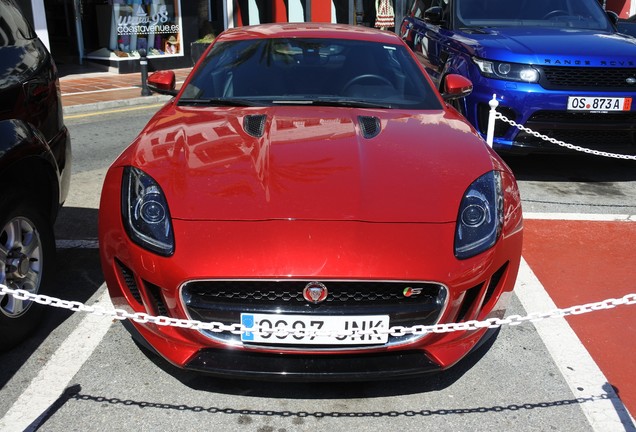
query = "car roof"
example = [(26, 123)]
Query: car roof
[(309, 30)]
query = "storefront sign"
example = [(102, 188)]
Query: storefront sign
[(143, 23), (127, 26)]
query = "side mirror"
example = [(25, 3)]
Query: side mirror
[(456, 87), (433, 15), (163, 82), (613, 17)]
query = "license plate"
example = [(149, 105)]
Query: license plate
[(319, 323), (599, 104)]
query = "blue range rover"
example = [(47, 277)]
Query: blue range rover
[(558, 67)]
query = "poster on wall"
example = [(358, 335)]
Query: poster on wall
[(131, 25)]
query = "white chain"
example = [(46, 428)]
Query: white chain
[(500, 116), (217, 327)]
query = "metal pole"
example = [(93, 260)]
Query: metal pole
[(400, 10), (77, 8), (352, 12), (490, 133), (143, 63)]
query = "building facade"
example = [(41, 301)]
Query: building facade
[(624, 8), (113, 33)]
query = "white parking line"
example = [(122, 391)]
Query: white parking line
[(56, 374), (581, 373)]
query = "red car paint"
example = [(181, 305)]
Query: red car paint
[(311, 199)]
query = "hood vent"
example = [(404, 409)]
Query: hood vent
[(254, 124), (369, 126)]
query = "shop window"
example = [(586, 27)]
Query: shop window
[(127, 26)]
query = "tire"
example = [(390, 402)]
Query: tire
[(27, 252)]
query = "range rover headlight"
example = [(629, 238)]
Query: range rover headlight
[(145, 212), (507, 71), (480, 216)]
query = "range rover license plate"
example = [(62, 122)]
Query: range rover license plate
[(599, 104), (323, 323)]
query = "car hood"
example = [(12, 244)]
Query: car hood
[(310, 163), (553, 46)]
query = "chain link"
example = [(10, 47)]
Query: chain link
[(217, 327), (503, 118)]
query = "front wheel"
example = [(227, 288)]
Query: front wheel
[(27, 249)]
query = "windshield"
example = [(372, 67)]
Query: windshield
[(581, 14), (300, 71)]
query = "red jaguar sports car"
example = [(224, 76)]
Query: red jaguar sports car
[(306, 182)]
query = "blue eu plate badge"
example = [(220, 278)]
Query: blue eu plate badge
[(247, 321)]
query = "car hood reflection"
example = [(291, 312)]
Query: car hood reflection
[(314, 166)]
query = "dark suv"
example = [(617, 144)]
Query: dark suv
[(35, 166)]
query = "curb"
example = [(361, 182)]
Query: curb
[(105, 105)]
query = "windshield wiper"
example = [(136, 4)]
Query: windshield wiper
[(352, 103), (349, 103), (219, 102), (476, 29)]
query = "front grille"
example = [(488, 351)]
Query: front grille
[(577, 78), (612, 120), (613, 142), (224, 301), (598, 131), (281, 292)]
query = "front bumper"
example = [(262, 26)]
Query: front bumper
[(140, 281), (311, 367), (545, 111), (61, 148)]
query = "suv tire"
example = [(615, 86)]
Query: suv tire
[(27, 249)]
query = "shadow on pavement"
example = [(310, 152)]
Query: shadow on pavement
[(77, 277)]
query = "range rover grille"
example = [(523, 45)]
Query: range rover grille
[(577, 78), (612, 132)]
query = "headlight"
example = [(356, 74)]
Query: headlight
[(145, 212), (480, 216), (507, 71)]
